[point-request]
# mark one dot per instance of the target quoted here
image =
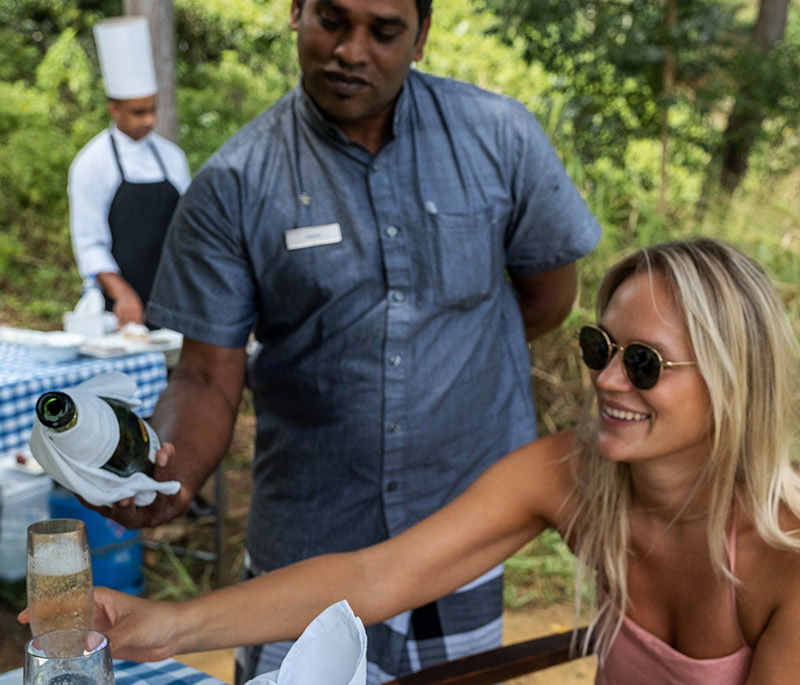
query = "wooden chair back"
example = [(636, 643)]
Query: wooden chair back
[(496, 665)]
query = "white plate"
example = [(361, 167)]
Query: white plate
[(46, 346), (116, 344)]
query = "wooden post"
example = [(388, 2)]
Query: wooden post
[(161, 19)]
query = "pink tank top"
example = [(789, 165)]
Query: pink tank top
[(638, 656)]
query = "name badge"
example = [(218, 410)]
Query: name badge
[(312, 236)]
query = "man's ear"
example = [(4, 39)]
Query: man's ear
[(419, 49), (297, 8)]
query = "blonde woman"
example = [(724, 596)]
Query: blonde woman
[(676, 490)]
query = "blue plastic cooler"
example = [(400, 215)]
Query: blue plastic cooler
[(116, 552)]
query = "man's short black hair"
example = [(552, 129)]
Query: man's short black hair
[(424, 8)]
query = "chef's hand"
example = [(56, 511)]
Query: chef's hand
[(163, 509), (128, 308)]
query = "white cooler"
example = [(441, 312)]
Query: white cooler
[(24, 500)]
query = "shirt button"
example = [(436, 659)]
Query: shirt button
[(377, 166), (399, 296), (393, 427), (392, 231), (395, 359), (392, 486)]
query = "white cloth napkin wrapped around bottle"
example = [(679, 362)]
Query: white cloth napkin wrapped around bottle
[(93, 447), (332, 650)]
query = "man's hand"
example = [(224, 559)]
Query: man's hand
[(163, 509), (194, 417)]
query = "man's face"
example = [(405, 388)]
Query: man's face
[(136, 117), (355, 56)]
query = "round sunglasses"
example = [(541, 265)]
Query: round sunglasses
[(643, 364)]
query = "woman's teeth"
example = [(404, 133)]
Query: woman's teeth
[(624, 415)]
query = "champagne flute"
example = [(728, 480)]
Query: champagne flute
[(68, 657), (59, 582)]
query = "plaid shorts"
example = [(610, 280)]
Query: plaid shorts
[(469, 620)]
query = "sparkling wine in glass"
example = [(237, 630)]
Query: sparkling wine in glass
[(59, 582)]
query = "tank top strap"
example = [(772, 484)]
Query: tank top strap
[(732, 556)]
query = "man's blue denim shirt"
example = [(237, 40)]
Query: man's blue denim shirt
[(393, 368)]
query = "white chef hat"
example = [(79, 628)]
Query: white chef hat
[(126, 57)]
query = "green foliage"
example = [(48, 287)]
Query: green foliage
[(463, 44), (43, 120), (28, 29), (609, 59), (174, 579), (590, 71), (231, 96), (256, 30), (13, 593), (540, 574), (65, 71)]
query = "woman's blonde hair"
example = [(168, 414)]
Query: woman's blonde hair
[(748, 356)]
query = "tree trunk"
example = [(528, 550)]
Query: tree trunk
[(667, 86), (161, 19), (747, 116)]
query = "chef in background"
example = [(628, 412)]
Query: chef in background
[(125, 183)]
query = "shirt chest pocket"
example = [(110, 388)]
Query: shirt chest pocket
[(466, 257)]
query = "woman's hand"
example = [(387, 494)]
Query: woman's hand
[(138, 629)]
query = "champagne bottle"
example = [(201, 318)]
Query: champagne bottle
[(58, 412)]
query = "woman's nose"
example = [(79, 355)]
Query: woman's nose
[(613, 376)]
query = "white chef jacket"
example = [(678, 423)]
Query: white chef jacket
[(94, 179)]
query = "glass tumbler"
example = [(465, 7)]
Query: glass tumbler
[(68, 657)]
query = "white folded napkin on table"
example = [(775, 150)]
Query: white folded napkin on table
[(332, 650), (84, 476)]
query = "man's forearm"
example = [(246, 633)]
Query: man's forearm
[(197, 416), (546, 299)]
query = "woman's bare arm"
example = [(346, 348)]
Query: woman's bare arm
[(777, 660), (508, 505)]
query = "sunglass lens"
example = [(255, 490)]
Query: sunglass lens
[(642, 365), (594, 348)]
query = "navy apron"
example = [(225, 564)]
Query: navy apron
[(138, 218)]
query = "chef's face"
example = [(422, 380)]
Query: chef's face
[(136, 117)]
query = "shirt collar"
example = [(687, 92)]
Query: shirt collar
[(125, 139), (324, 126)]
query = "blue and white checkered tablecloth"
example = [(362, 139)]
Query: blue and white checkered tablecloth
[(23, 379), (167, 672)]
